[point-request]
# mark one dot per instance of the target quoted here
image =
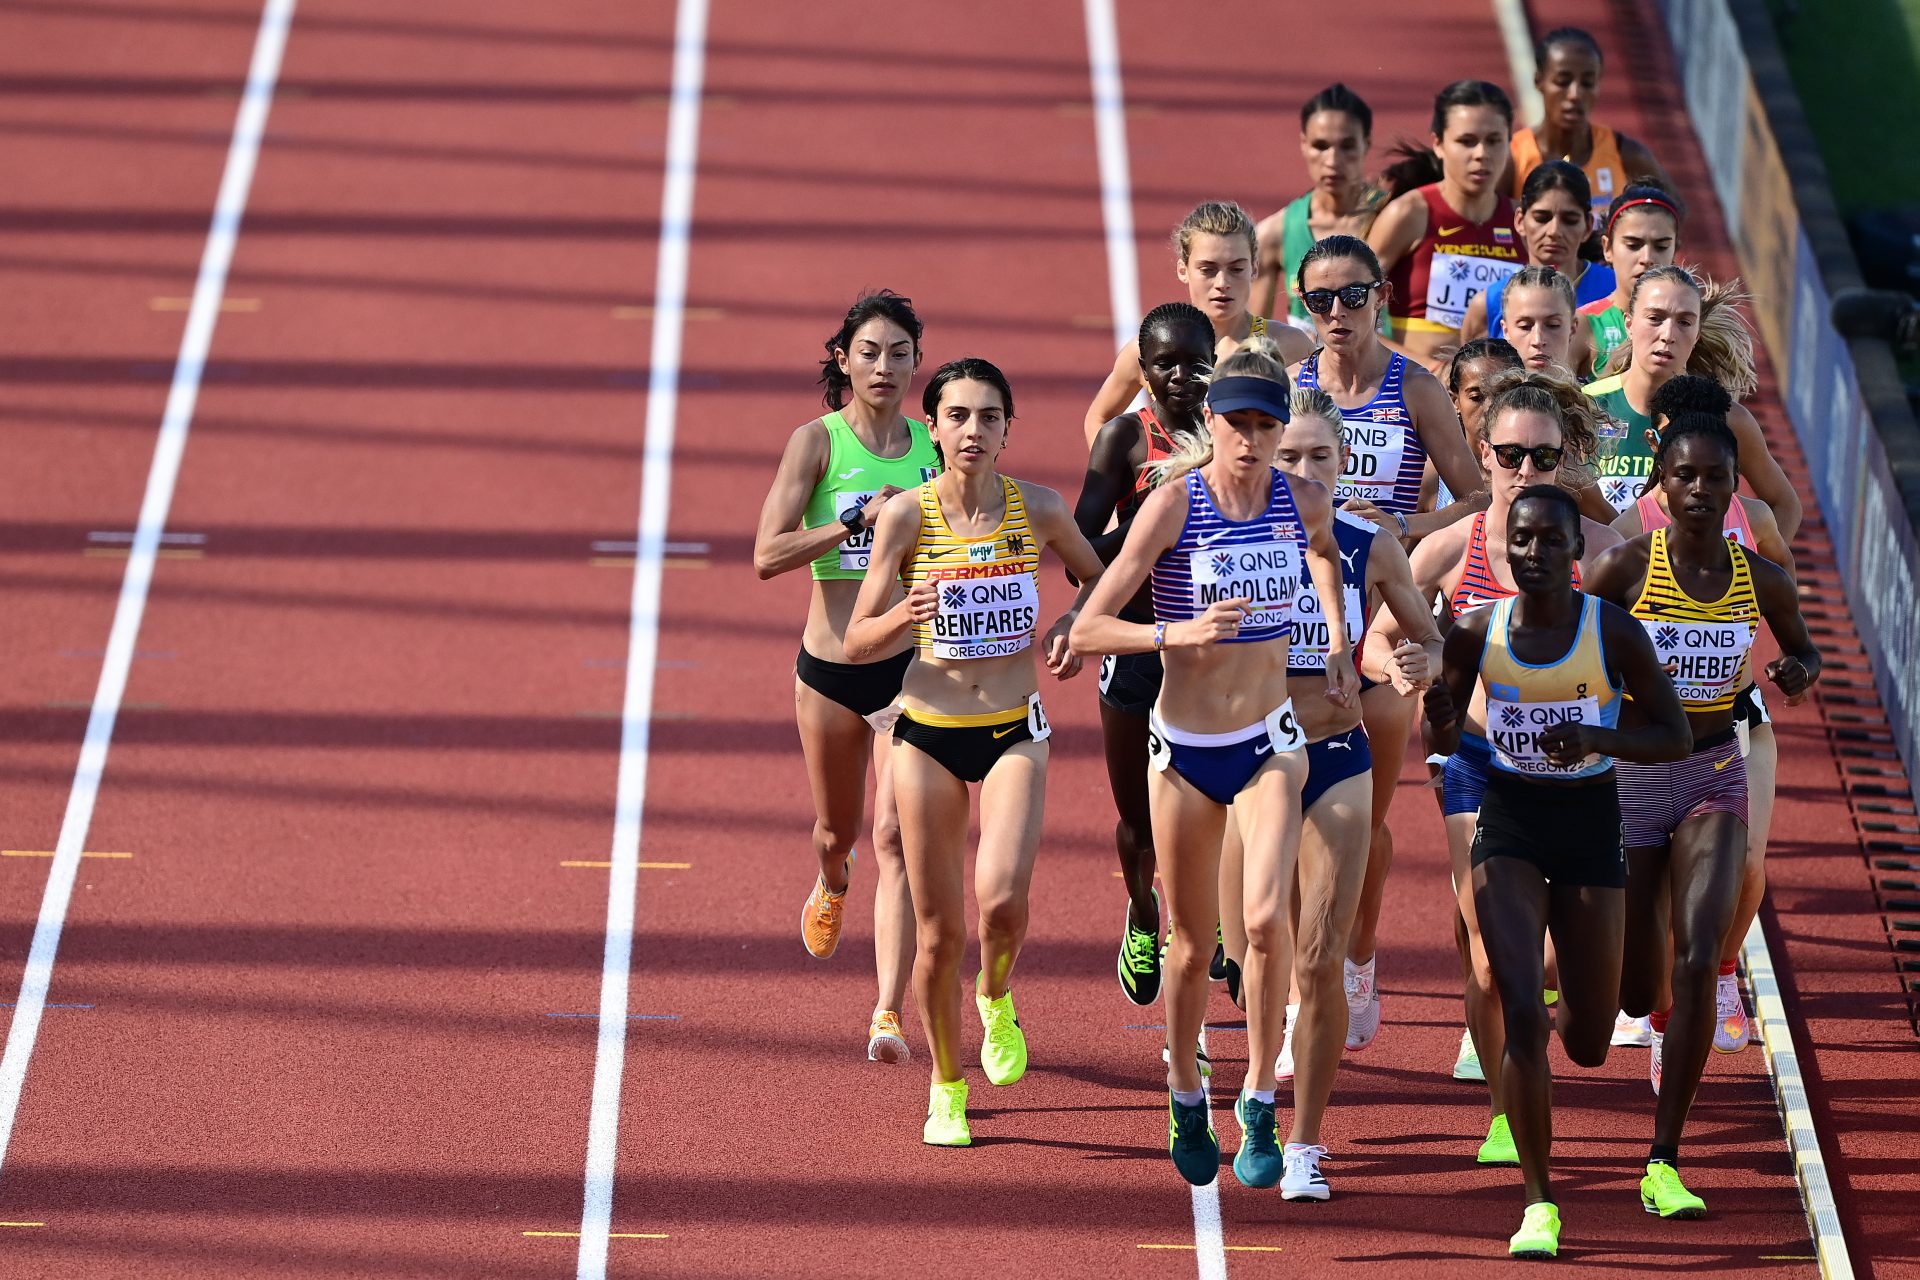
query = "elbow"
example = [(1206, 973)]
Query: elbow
[(855, 646), (1682, 742), (764, 569)]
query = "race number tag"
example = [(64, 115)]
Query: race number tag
[(1267, 573), (1514, 729), (984, 614), (1283, 730), (1703, 659), (858, 548), (1107, 666), (1373, 461), (1455, 279), (1159, 751), (1310, 631), (1037, 725)]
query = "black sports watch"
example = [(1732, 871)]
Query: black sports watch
[(853, 519)]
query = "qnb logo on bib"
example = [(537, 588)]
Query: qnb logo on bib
[(984, 614), (1456, 279), (1267, 573), (1703, 659), (1310, 630), (1374, 453), (858, 548), (1514, 729)]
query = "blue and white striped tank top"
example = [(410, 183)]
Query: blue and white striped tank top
[(1386, 458), (1310, 632), (1262, 559)]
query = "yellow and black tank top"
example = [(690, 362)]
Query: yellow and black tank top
[(989, 587), (1706, 645)]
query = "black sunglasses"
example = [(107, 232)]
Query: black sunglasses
[(1352, 297), (1546, 457)]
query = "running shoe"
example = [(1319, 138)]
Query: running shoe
[(1539, 1233), (1003, 1051), (1498, 1148), (1217, 967), (885, 1042), (1467, 1065), (1662, 1192), (1653, 1070), (1283, 1065), (1233, 983), (1363, 1007), (820, 917), (1140, 959), (1191, 1141), (1258, 1165), (1303, 1179), (1199, 1054), (1731, 1031), (947, 1116), (1629, 1030)]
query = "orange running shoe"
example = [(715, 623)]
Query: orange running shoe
[(885, 1041), (820, 918)]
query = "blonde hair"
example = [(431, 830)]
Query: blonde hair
[(1539, 277), (1257, 357), (1215, 218), (1312, 402), (1724, 349)]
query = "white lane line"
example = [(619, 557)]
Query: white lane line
[(1783, 1064), (643, 636), (1116, 182), (1208, 1239), (1511, 17), (235, 183)]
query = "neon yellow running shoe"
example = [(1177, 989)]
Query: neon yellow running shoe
[(947, 1116), (1498, 1148), (1539, 1233), (1662, 1192), (1003, 1051)]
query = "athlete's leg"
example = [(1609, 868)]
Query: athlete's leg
[(1125, 737), (1763, 763), (933, 835), (892, 901), (1484, 998), (1513, 905), (1332, 868), (1586, 926), (1187, 828), (1233, 861), (1272, 837), (1646, 957), (1704, 879), (1388, 717), (1012, 812), (837, 745)]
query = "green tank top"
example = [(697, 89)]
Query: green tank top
[(1626, 459), (1296, 237), (1609, 329), (853, 477)]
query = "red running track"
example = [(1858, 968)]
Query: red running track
[(378, 714)]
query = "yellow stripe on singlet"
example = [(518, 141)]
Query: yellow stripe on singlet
[(937, 720), (944, 554), (1662, 600)]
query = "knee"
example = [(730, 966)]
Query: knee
[(1318, 961), (1526, 1026), (1188, 957), (886, 837), (1699, 957), (1133, 838), (1482, 975), (1003, 917), (940, 946), (1587, 1049), (1266, 929)]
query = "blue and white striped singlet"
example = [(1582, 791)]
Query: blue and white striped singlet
[(1262, 559), (1386, 458)]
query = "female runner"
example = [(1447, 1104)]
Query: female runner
[(1443, 243), (1552, 220), (1642, 230), (1700, 595), (1224, 544), (1470, 373), (837, 473), (1176, 362), (1541, 675), (1677, 323), (1750, 523), (1217, 249), (968, 545), (1534, 425), (1568, 79), (1336, 132)]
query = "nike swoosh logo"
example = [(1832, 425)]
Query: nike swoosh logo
[(848, 475), (1448, 231), (1208, 539), (1721, 764), (1263, 748), (935, 555), (1001, 733)]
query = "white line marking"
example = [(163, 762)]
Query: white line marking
[(248, 126), (1116, 183), (169, 539), (1208, 1240), (1511, 17), (643, 637), (1783, 1063)]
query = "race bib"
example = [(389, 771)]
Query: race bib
[(983, 614), (1456, 279), (1373, 461), (1310, 631), (858, 548), (1107, 666), (1703, 659), (1283, 730), (1514, 729), (1267, 573), (1159, 751), (1037, 725)]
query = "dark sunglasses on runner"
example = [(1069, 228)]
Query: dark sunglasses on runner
[(1546, 457), (1352, 297)]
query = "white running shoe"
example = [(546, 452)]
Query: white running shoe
[(1467, 1065), (1629, 1030), (1302, 1179), (1283, 1065), (1731, 1030), (1653, 1072), (1363, 1006), (1199, 1053)]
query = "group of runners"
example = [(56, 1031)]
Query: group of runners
[(1457, 447)]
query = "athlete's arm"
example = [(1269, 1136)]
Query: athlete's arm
[(1269, 288), (1101, 629), (1627, 523), (1766, 533), (1640, 164), (1314, 502), (1763, 475), (1599, 537), (1294, 345), (1798, 666), (1619, 573), (1474, 323), (1111, 468), (873, 626), (1413, 661), (780, 542), (1053, 524), (1440, 435), (1663, 733), (1448, 698), (1116, 393), (1398, 229)]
